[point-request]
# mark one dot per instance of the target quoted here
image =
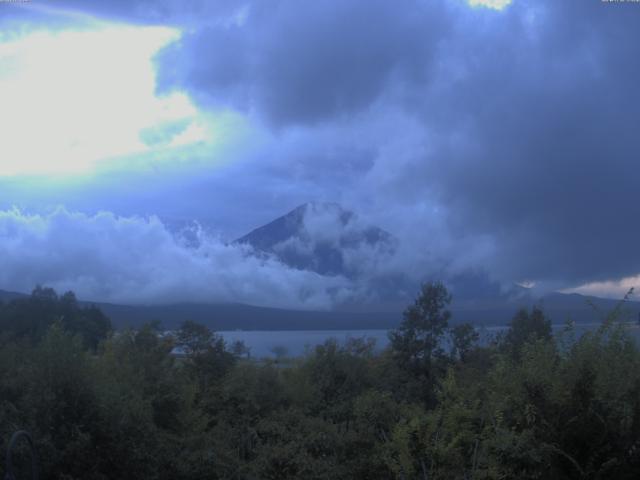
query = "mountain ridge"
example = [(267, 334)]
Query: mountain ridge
[(317, 236), (233, 316)]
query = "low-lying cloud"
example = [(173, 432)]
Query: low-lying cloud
[(109, 258), (138, 260)]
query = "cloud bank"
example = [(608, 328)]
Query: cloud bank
[(134, 260), (137, 260)]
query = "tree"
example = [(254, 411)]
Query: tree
[(337, 376), (463, 338), (416, 345), (527, 327), (424, 323), (31, 317), (240, 349), (194, 337), (207, 356)]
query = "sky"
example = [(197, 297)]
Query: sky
[(489, 137)]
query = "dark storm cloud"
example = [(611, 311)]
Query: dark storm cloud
[(546, 158), (529, 116), (297, 62)]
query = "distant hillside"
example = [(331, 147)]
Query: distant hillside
[(245, 317), (559, 307), (6, 296)]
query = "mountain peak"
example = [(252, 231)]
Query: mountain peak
[(317, 236)]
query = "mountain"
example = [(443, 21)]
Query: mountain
[(6, 296), (319, 237), (329, 240), (246, 317), (557, 306)]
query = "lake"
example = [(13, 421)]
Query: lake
[(295, 342)]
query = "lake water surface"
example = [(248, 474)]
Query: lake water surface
[(295, 342)]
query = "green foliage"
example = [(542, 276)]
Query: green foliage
[(337, 376), (30, 318), (463, 339), (526, 327), (207, 358), (126, 407), (416, 345), (418, 339)]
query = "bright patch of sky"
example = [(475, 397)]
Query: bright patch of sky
[(494, 4), (74, 99), (615, 289)]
